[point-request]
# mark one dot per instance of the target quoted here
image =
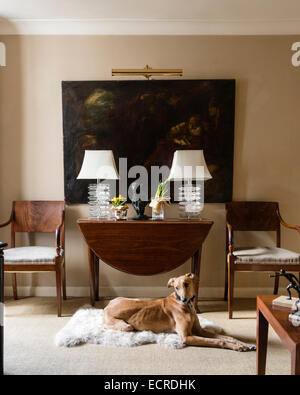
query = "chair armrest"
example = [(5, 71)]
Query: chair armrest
[(230, 238), (282, 222), (58, 234), (6, 223)]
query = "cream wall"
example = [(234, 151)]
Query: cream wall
[(267, 138)]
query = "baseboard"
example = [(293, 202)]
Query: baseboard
[(138, 292)]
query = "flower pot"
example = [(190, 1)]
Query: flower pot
[(120, 213)]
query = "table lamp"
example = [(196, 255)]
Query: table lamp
[(188, 166), (99, 165)]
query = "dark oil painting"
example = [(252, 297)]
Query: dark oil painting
[(145, 122)]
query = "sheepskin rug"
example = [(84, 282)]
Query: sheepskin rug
[(86, 327)]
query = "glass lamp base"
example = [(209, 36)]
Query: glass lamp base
[(189, 210), (98, 201), (191, 202)]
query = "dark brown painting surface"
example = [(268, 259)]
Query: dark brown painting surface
[(145, 122)]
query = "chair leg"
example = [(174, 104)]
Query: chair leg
[(276, 285), (58, 289), (226, 283), (14, 285), (230, 288), (64, 282)]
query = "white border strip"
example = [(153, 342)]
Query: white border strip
[(146, 26), (1, 314)]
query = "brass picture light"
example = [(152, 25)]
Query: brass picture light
[(147, 72)]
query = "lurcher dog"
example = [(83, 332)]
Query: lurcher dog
[(173, 314)]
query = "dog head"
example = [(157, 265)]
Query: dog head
[(184, 287)]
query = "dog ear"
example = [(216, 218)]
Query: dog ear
[(171, 282), (190, 275)]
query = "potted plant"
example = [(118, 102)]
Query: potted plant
[(119, 207), (159, 201)]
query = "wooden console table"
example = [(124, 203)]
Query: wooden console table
[(278, 318), (143, 247)]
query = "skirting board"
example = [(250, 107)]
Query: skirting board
[(139, 292)]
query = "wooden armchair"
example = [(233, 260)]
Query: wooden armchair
[(37, 216), (256, 216)]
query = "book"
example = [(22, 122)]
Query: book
[(284, 301)]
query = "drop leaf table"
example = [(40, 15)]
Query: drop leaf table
[(143, 247)]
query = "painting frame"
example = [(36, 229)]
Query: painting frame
[(145, 122)]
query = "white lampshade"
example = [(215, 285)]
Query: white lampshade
[(189, 164), (98, 164)]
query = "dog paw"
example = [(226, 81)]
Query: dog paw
[(246, 347), (126, 327), (251, 347)]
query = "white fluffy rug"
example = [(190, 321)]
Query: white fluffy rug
[(86, 327)]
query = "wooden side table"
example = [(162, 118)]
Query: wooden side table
[(143, 247), (278, 318)]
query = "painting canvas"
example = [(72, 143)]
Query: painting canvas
[(145, 122)]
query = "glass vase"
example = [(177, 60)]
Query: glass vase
[(160, 214)]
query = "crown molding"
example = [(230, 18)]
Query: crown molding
[(148, 26)]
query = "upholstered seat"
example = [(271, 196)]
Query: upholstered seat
[(31, 255), (265, 255)]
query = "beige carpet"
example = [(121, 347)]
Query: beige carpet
[(31, 325)]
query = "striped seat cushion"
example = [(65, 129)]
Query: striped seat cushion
[(30, 255), (265, 255)]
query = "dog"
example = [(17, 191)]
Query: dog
[(173, 314)]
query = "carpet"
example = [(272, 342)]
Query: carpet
[(85, 326)]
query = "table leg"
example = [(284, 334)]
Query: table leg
[(296, 360), (96, 267), (92, 276), (261, 343), (195, 268)]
